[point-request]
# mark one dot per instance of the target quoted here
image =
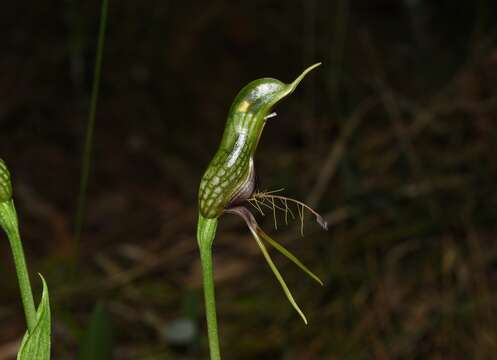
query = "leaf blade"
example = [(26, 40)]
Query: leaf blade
[(36, 345)]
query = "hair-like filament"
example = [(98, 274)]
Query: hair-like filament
[(272, 201)]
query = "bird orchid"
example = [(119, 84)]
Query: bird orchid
[(228, 184)]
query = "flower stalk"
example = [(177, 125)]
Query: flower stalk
[(205, 236), (9, 223)]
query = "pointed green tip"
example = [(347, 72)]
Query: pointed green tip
[(294, 84), (44, 283)]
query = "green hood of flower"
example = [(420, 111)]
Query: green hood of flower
[(5, 184)]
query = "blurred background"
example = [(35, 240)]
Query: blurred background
[(393, 139)]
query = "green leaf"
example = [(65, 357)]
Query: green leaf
[(36, 345), (97, 341)]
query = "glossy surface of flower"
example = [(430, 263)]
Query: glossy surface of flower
[(229, 178)]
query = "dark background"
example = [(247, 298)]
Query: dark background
[(393, 139)]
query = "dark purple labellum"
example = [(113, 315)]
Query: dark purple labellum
[(246, 189)]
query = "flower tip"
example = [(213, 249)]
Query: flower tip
[(322, 222), (295, 82), (302, 316), (313, 66)]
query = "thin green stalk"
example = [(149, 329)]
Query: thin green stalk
[(88, 145), (206, 232), (8, 219)]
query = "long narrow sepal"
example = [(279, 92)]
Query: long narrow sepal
[(249, 219), (277, 274), (289, 255)]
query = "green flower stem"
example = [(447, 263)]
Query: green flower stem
[(206, 232), (8, 220)]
